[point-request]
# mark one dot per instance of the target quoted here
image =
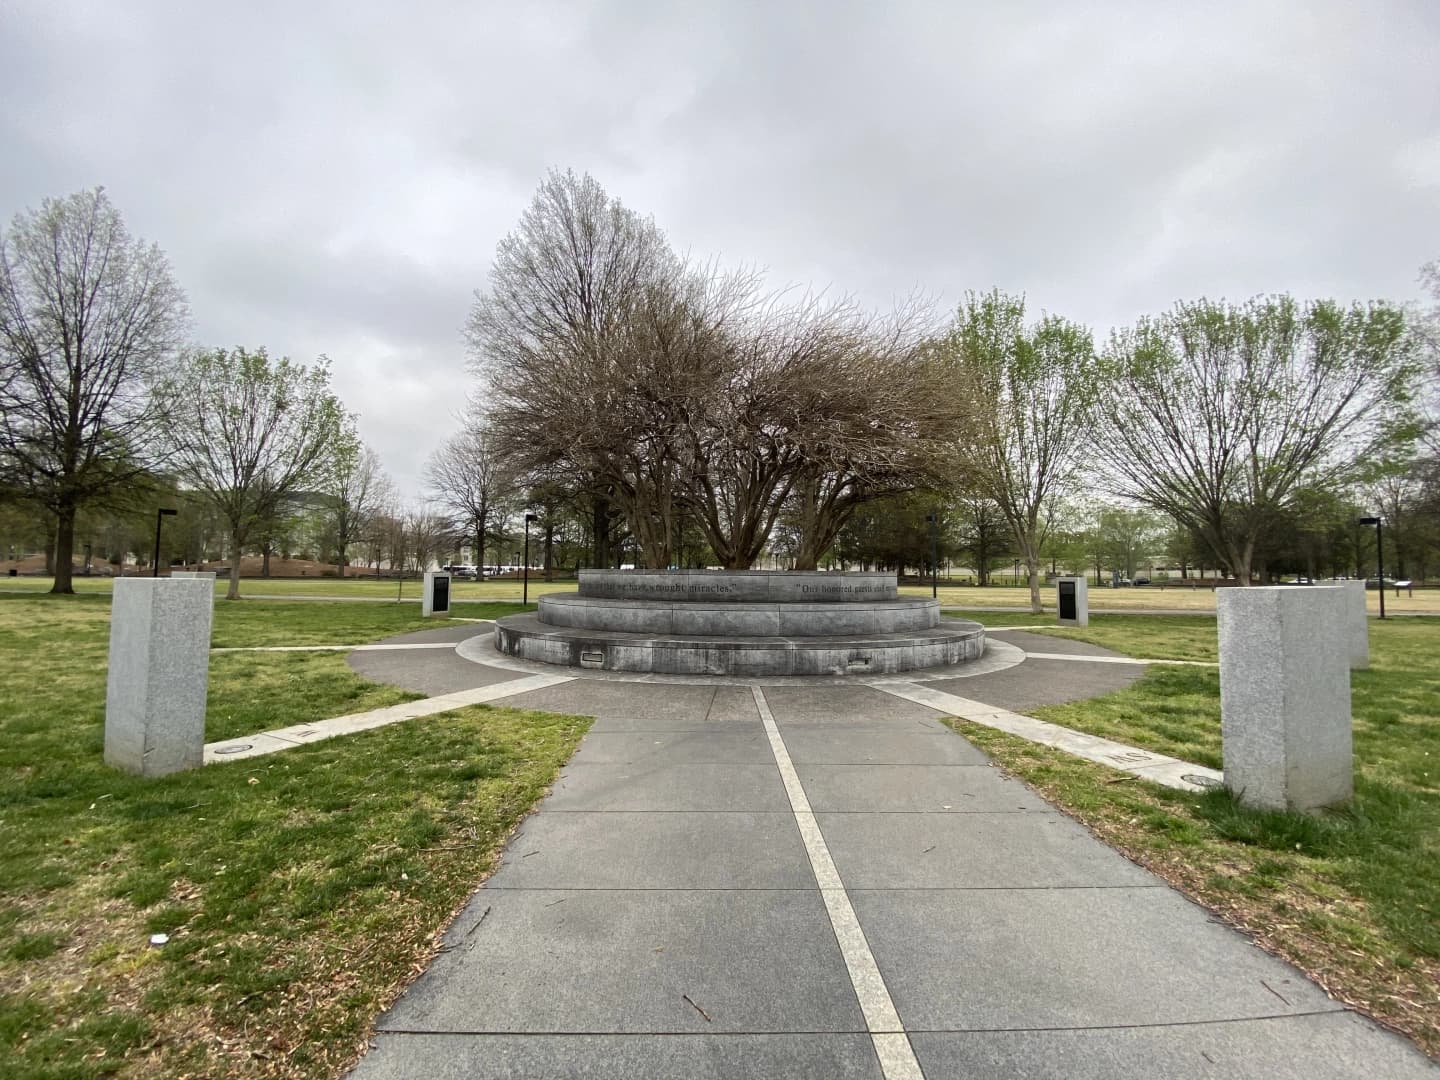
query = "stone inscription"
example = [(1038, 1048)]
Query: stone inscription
[(833, 590), (641, 587)]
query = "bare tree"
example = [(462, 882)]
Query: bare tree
[(248, 432), (586, 337), (357, 488), (882, 421), (1218, 415), (675, 388), (428, 532), (467, 476), (1030, 393), (89, 317), (817, 407)]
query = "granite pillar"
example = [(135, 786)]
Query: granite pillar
[(159, 674), (1285, 696), (1357, 625)]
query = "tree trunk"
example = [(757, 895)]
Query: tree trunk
[(549, 552), (265, 560), (1032, 565), (49, 543), (1240, 557), (233, 592), (340, 560), (64, 547), (601, 531)]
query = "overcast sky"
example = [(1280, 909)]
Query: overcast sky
[(334, 177)]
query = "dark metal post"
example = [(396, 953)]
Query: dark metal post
[(525, 569), (160, 516), (1379, 558), (1380, 565), (934, 522)]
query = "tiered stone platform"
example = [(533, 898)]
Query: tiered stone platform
[(739, 622)]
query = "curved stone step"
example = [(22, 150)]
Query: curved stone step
[(711, 618), (740, 586), (526, 637)]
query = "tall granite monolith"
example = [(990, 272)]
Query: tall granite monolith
[(1357, 624), (1285, 696), (159, 674)]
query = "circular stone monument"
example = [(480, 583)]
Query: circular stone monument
[(739, 622)]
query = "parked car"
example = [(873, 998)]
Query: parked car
[(1142, 581)]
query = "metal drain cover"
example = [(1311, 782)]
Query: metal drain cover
[(234, 748)]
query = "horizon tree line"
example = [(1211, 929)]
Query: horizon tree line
[(636, 400)]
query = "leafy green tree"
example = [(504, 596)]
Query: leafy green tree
[(981, 534), (1127, 536), (893, 532), (248, 432), (1031, 391), (89, 317), (1217, 415)]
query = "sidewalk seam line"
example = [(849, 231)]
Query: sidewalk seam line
[(1115, 755), (385, 715), (887, 1035)]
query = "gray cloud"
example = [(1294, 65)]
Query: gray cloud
[(334, 178)]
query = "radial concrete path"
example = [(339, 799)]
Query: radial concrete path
[(822, 880)]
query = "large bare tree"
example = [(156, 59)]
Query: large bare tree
[(1029, 393), (249, 431), (89, 316), (1217, 415), (553, 336), (881, 421), (820, 407), (682, 390)]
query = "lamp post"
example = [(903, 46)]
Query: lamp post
[(934, 522), (160, 515), (1379, 558), (525, 569)]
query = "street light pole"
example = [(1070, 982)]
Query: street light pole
[(525, 570), (160, 515), (933, 520), (1379, 558)]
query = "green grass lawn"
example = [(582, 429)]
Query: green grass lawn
[(299, 891), (1352, 895), (1010, 597), (1152, 637), (461, 592)]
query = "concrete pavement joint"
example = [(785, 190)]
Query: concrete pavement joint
[(335, 648), (1084, 659), (268, 742), (1168, 771), (887, 1035)]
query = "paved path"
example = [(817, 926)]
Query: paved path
[(825, 881)]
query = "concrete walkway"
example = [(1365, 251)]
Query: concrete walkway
[(825, 881)]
